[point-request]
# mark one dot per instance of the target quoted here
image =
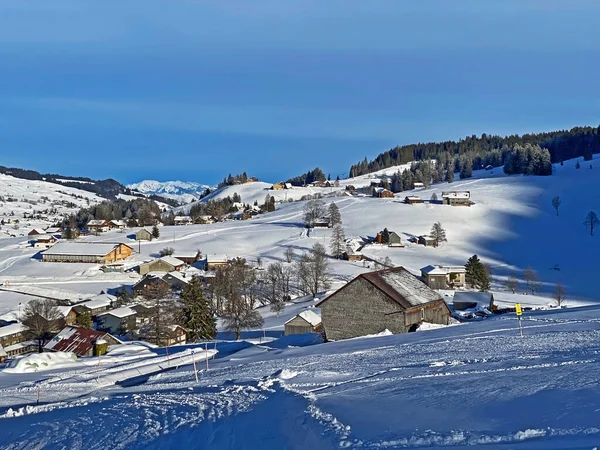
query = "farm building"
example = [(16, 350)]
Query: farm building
[(391, 299), (154, 282), (68, 313), (96, 305), (143, 235), (204, 220), (393, 239), (412, 199), (456, 198), (382, 193), (117, 225), (36, 232), (45, 241), (175, 335), (81, 341), (188, 258), (117, 321), (323, 222), (14, 340), (469, 299), (418, 185), (216, 261), (306, 322), (79, 252), (278, 186), (426, 240), (183, 220), (54, 230), (98, 225), (443, 277), (164, 264)]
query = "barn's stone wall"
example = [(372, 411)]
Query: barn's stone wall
[(359, 309)]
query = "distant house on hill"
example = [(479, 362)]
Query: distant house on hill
[(216, 261), (183, 220), (426, 240), (81, 341), (306, 322), (418, 185), (98, 225), (204, 220), (382, 193), (117, 225), (391, 299), (164, 264), (322, 222), (456, 198), (79, 252), (143, 235), (46, 241), (36, 232), (188, 257), (443, 277), (393, 240), (278, 186), (412, 199)]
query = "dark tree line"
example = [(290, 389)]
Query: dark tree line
[(529, 160), (140, 209), (231, 180), (488, 149), (308, 177)]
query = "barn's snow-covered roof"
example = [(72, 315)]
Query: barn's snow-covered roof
[(310, 316), (81, 249), (456, 194), (125, 311), (442, 270)]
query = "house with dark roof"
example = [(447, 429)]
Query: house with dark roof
[(391, 299), (154, 282), (81, 341)]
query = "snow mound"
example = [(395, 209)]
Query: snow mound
[(42, 361)]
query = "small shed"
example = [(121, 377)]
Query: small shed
[(469, 300), (306, 322), (143, 235), (427, 241), (412, 199)]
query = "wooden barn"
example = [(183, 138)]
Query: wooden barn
[(164, 264), (443, 277), (98, 225), (79, 252), (412, 199), (391, 299), (306, 322), (143, 235), (383, 193)]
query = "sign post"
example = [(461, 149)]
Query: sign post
[(519, 312), (206, 353), (194, 362)]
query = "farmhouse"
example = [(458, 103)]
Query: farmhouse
[(46, 241), (68, 313), (468, 300), (143, 235), (382, 193), (322, 222), (278, 186), (188, 258), (154, 282), (98, 225), (164, 264), (96, 305), (443, 277), (204, 220), (391, 299), (79, 252), (183, 220), (412, 199), (36, 232), (306, 322), (117, 321), (418, 185), (14, 341), (393, 239), (426, 240), (117, 225), (54, 230), (81, 341), (456, 198), (176, 335)]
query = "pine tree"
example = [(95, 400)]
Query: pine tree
[(155, 232), (438, 234), (591, 222), (335, 217), (476, 275), (84, 320), (338, 241), (385, 236), (449, 171), (195, 313)]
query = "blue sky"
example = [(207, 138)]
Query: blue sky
[(194, 90)]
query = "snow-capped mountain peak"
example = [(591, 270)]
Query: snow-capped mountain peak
[(182, 191)]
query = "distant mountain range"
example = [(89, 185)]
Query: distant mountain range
[(182, 191)]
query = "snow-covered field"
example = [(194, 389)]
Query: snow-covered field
[(476, 385)]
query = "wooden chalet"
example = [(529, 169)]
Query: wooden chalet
[(183, 220), (382, 193), (412, 199), (443, 277), (98, 225), (45, 241), (391, 299)]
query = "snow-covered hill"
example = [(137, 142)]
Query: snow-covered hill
[(28, 204), (182, 191)]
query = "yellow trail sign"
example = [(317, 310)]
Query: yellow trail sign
[(518, 309)]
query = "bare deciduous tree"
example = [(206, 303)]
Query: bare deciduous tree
[(531, 279), (512, 284), (559, 294), (556, 203), (313, 270), (591, 222), (42, 320), (289, 254), (313, 209)]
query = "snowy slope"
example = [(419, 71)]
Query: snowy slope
[(19, 197), (472, 386), (182, 191)]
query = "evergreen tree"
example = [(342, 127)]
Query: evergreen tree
[(84, 320), (335, 217), (476, 275), (155, 232), (338, 241), (385, 236), (449, 171), (438, 234), (466, 168), (591, 222), (195, 313)]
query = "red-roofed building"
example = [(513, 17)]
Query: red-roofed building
[(81, 341)]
